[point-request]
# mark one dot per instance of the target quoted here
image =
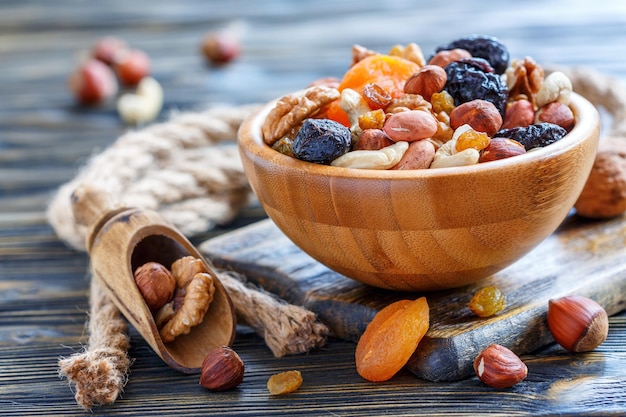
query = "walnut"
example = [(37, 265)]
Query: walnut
[(524, 78), (360, 52), (194, 292), (409, 102), (411, 52), (604, 194), (291, 110)]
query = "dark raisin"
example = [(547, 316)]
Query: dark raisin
[(467, 81), (480, 46), (321, 141), (478, 63), (534, 136)]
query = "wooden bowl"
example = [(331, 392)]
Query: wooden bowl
[(420, 230)]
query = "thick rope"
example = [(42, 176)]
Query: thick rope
[(182, 169), (101, 371)]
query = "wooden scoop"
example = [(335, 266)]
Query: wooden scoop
[(121, 239)]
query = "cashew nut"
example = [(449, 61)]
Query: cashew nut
[(384, 158), (355, 105), (555, 87), (448, 156), (144, 105)]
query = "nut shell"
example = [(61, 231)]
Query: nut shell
[(481, 115), (604, 194), (222, 369), (156, 284), (577, 323), (430, 79), (501, 148), (499, 367)]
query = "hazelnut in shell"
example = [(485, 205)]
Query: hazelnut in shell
[(499, 367), (93, 82), (156, 284), (222, 369), (577, 323)]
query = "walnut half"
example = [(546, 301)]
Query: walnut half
[(194, 292), (291, 110), (604, 194)]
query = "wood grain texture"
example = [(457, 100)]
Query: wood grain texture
[(45, 138), (561, 265), (420, 230)]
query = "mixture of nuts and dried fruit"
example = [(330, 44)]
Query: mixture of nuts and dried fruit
[(468, 103), (179, 297)]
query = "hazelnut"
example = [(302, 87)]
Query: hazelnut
[(578, 323), (519, 113), (501, 148), (220, 47), (93, 82), (430, 79), (131, 66), (156, 284), (556, 113), (107, 48), (222, 369), (443, 58), (481, 115), (499, 367)]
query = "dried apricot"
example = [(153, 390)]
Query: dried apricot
[(284, 382), (391, 338), (389, 73)]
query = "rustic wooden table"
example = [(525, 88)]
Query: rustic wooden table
[(45, 138)]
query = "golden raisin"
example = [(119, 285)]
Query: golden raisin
[(472, 139), (284, 382), (376, 96), (487, 301), (374, 119), (391, 338), (442, 101)]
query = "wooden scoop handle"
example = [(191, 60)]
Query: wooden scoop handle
[(89, 203)]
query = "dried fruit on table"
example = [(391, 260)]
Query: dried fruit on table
[(284, 382), (388, 72), (487, 301), (391, 338)]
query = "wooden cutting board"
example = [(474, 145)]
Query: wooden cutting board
[(582, 257)]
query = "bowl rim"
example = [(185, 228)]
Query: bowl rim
[(250, 139)]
